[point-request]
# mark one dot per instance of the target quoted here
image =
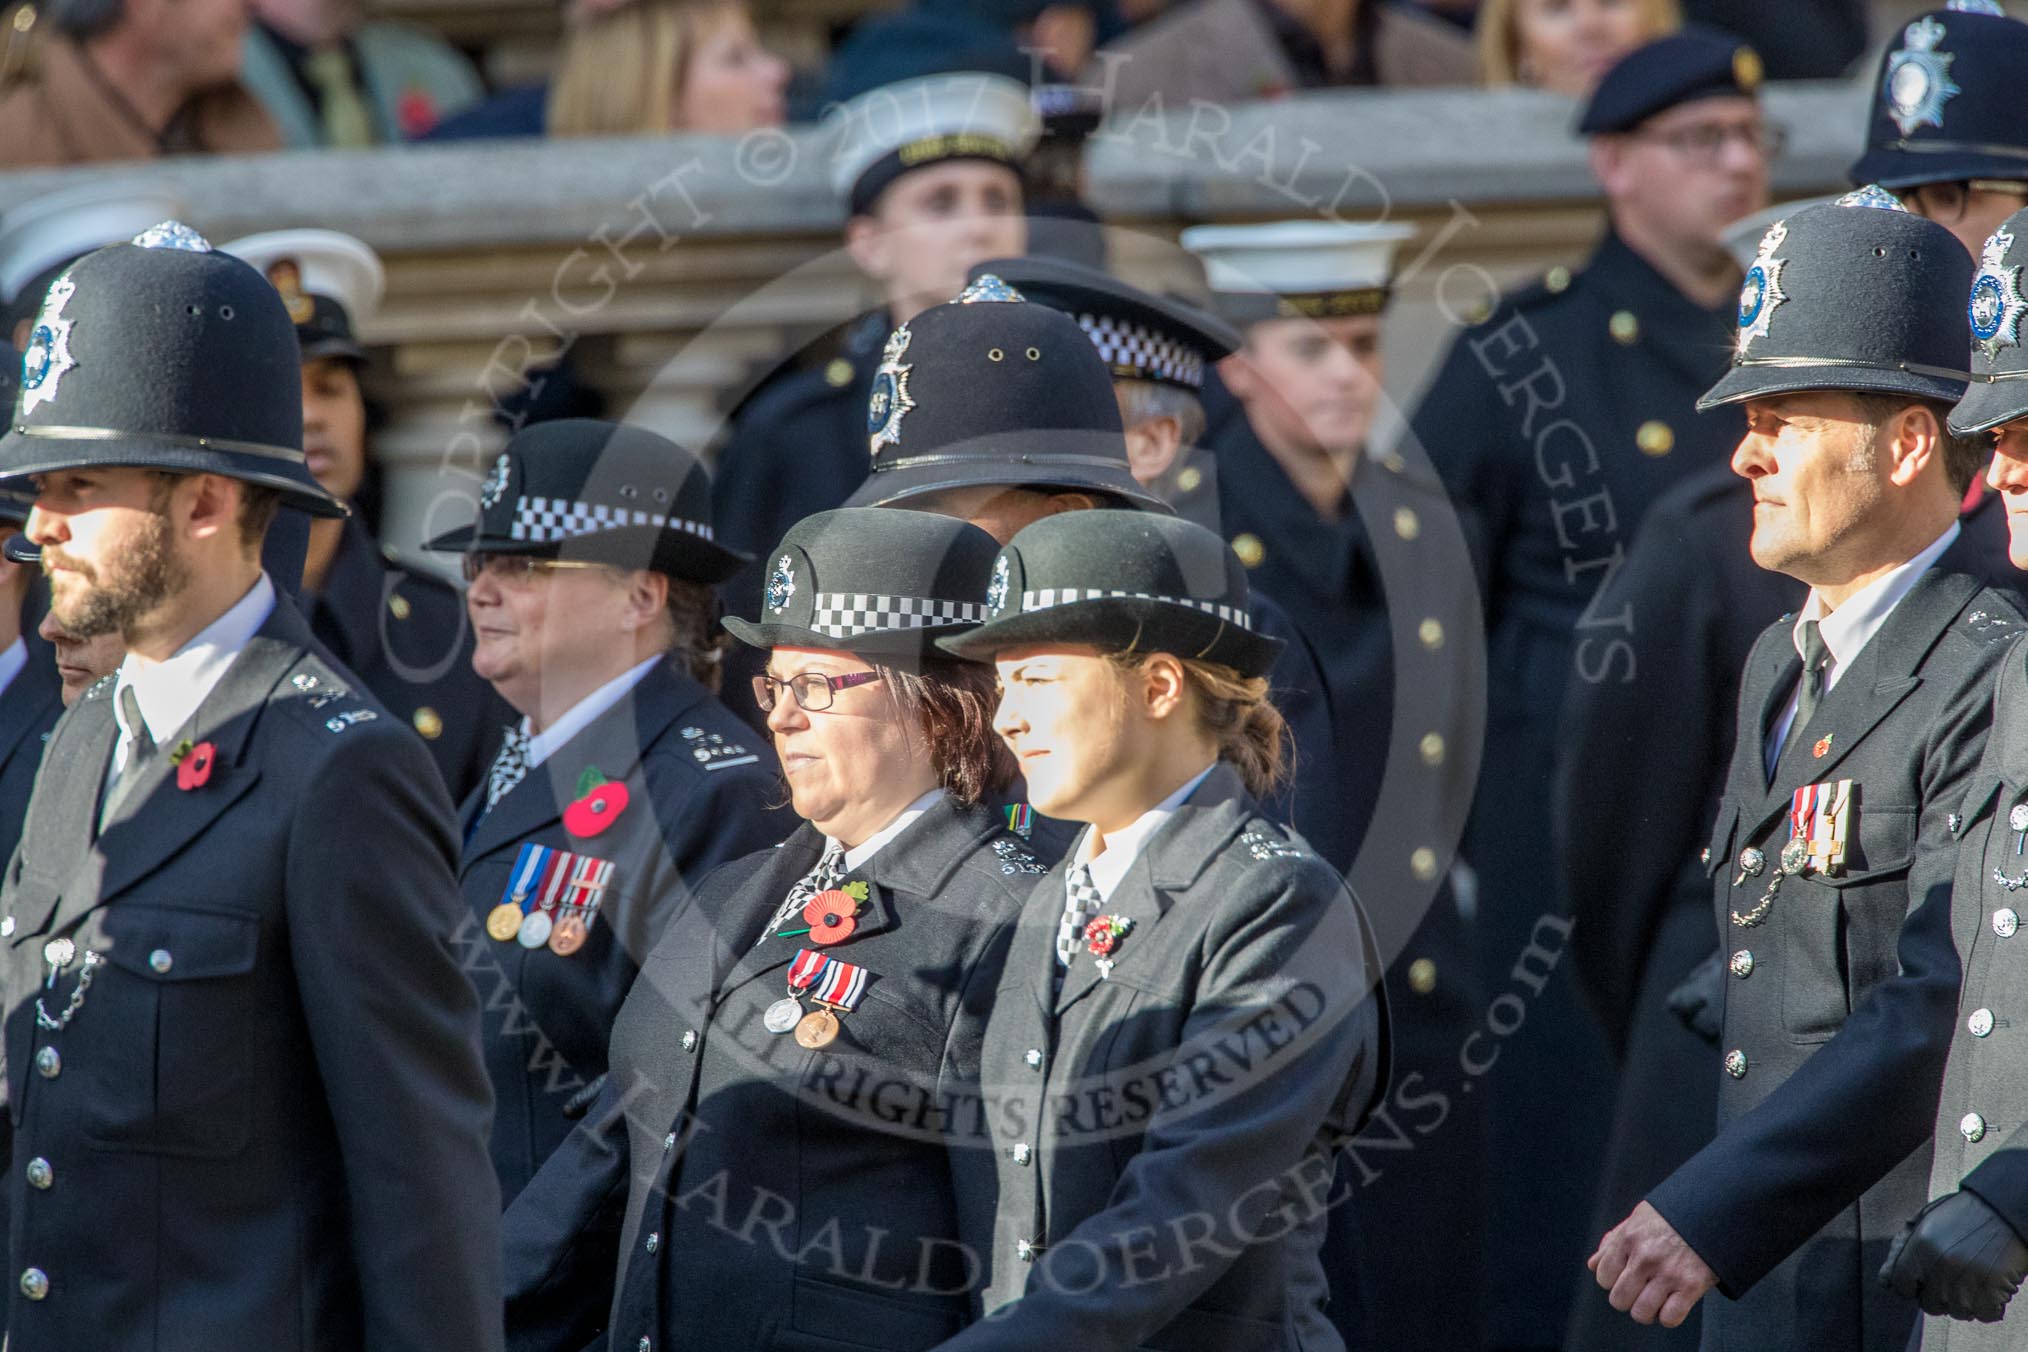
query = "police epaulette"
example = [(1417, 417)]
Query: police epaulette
[(1988, 625), (712, 752), (1264, 845), (102, 687)]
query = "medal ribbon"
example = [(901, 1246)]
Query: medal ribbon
[(588, 882), (844, 983), (1802, 812), (532, 872), (805, 969), (555, 882)]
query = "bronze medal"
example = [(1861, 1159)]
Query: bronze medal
[(819, 1028), (568, 936), (504, 921)]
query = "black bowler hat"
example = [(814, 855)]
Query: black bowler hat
[(164, 354), (1124, 584), (1999, 314), (873, 581), (1137, 335), (994, 390), (1693, 63), (598, 492), (331, 282), (1862, 297), (1947, 103)]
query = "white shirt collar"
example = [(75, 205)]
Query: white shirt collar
[(13, 661), (1108, 870), (904, 819), (1847, 630), (169, 691), (542, 745)]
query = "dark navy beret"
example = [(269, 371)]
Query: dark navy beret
[(1696, 63)]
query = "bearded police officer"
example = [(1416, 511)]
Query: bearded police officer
[(1945, 130), (401, 631), (591, 566), (1963, 1257), (1861, 721), (242, 1064)]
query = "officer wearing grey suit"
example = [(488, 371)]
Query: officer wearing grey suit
[(1861, 720), (244, 1100), (788, 1151), (1189, 1022), (1963, 1258)]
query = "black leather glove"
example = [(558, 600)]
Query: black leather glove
[(1698, 1001), (1957, 1257)]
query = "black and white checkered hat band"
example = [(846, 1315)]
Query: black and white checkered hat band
[(850, 614), (1063, 596), (542, 520), (1132, 349)]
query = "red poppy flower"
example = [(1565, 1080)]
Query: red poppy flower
[(416, 111), (194, 770), (597, 810), (830, 916)]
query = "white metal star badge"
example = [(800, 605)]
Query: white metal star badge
[(1872, 195), (495, 486), (988, 288), (890, 399), (173, 235), (781, 584), (1997, 304), (1918, 82), (1763, 289), (48, 355), (996, 590)]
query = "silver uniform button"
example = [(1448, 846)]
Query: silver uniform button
[(1735, 1064), (1742, 963), (161, 961), (40, 1176), (653, 1241), (1981, 1022), (644, 1345), (6, 927), (690, 1039), (35, 1283), (1021, 1152), (2005, 922), (59, 952), (48, 1063), (1972, 1127), (1033, 1057), (669, 1141), (1024, 1251)]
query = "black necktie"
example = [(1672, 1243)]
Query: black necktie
[(1810, 691)]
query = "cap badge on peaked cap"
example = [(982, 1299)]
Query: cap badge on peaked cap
[(889, 399), (996, 590), (1997, 304), (286, 276), (1918, 77), (988, 288), (1991, 7), (1762, 291), (495, 486), (48, 353), (173, 235)]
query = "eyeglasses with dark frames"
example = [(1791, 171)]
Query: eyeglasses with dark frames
[(813, 690), (511, 569), (1946, 203)]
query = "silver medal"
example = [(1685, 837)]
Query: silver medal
[(782, 1015), (2017, 817)]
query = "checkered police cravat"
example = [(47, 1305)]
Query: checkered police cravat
[(510, 767), (830, 869), (1081, 901)]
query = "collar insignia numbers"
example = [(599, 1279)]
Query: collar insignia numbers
[(173, 235), (832, 915), (996, 590), (1763, 289), (48, 356), (599, 804), (1102, 936), (1822, 748), (193, 766), (781, 584), (987, 288), (1997, 302), (1918, 78), (1872, 195), (495, 487), (890, 399)]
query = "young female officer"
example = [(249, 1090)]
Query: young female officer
[(1188, 1022), (788, 1148)]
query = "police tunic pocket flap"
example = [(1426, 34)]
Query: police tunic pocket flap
[(1883, 845), (171, 945)]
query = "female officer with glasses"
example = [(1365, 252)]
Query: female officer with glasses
[(790, 1141), (590, 571)]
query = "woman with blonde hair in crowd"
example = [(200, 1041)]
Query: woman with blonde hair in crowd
[(1564, 46), (637, 67)]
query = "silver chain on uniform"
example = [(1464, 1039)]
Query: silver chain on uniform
[(830, 869), (76, 1001)]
